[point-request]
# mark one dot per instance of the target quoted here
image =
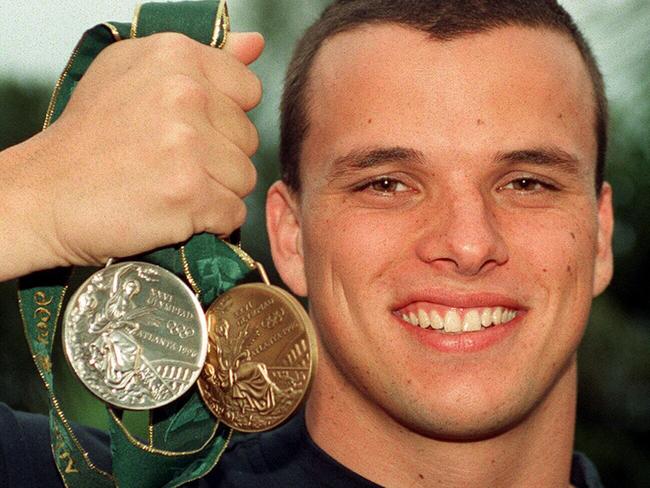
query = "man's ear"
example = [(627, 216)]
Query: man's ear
[(604, 266), (285, 236)]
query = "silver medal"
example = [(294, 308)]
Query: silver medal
[(135, 335)]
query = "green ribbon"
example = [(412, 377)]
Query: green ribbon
[(185, 441)]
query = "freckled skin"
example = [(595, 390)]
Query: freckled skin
[(458, 224)]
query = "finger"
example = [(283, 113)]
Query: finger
[(230, 120), (226, 69), (227, 74), (245, 46), (187, 97), (168, 53), (230, 167), (223, 213)]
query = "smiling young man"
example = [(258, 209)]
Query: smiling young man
[(442, 206), (443, 209)]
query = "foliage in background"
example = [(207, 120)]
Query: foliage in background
[(614, 384)]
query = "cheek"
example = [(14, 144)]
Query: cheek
[(354, 244), (556, 255), (553, 246)]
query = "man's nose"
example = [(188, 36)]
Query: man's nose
[(463, 235)]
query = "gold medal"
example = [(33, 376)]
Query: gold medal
[(261, 356)]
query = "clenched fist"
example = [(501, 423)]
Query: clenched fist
[(153, 147)]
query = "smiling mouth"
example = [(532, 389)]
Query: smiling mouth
[(455, 320)]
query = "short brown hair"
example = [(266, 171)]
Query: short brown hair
[(443, 20)]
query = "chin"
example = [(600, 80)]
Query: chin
[(469, 426), (468, 414), (468, 409)]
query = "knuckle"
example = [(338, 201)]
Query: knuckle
[(180, 174), (166, 45), (257, 88), (252, 140), (226, 217), (179, 136), (243, 174), (183, 186), (238, 215), (113, 52), (249, 176), (181, 90), (252, 89)]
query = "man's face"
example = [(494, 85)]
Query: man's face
[(451, 184)]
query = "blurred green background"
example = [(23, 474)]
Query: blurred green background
[(614, 387)]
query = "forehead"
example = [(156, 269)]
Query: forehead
[(508, 86)]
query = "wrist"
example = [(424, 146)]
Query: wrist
[(27, 241)]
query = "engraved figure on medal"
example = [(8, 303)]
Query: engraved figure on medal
[(261, 356), (115, 352), (135, 335), (251, 387)]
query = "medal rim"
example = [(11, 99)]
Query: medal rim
[(201, 318), (310, 332)]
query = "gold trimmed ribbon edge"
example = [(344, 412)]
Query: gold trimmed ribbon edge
[(134, 22), (188, 274), (53, 399), (152, 450), (114, 31), (59, 83), (243, 255), (150, 428), (216, 461), (221, 23)]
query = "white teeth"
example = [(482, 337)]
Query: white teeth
[(486, 317), (423, 318), (413, 318), (472, 321), (452, 322), (508, 315), (456, 321), (436, 320), (496, 315)]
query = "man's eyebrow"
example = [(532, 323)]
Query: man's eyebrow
[(359, 159), (544, 156)]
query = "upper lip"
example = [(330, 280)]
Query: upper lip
[(456, 299)]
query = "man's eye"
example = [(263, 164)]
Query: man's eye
[(385, 185), (528, 185)]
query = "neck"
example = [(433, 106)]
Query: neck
[(538, 448)]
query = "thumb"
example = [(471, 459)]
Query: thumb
[(245, 46)]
